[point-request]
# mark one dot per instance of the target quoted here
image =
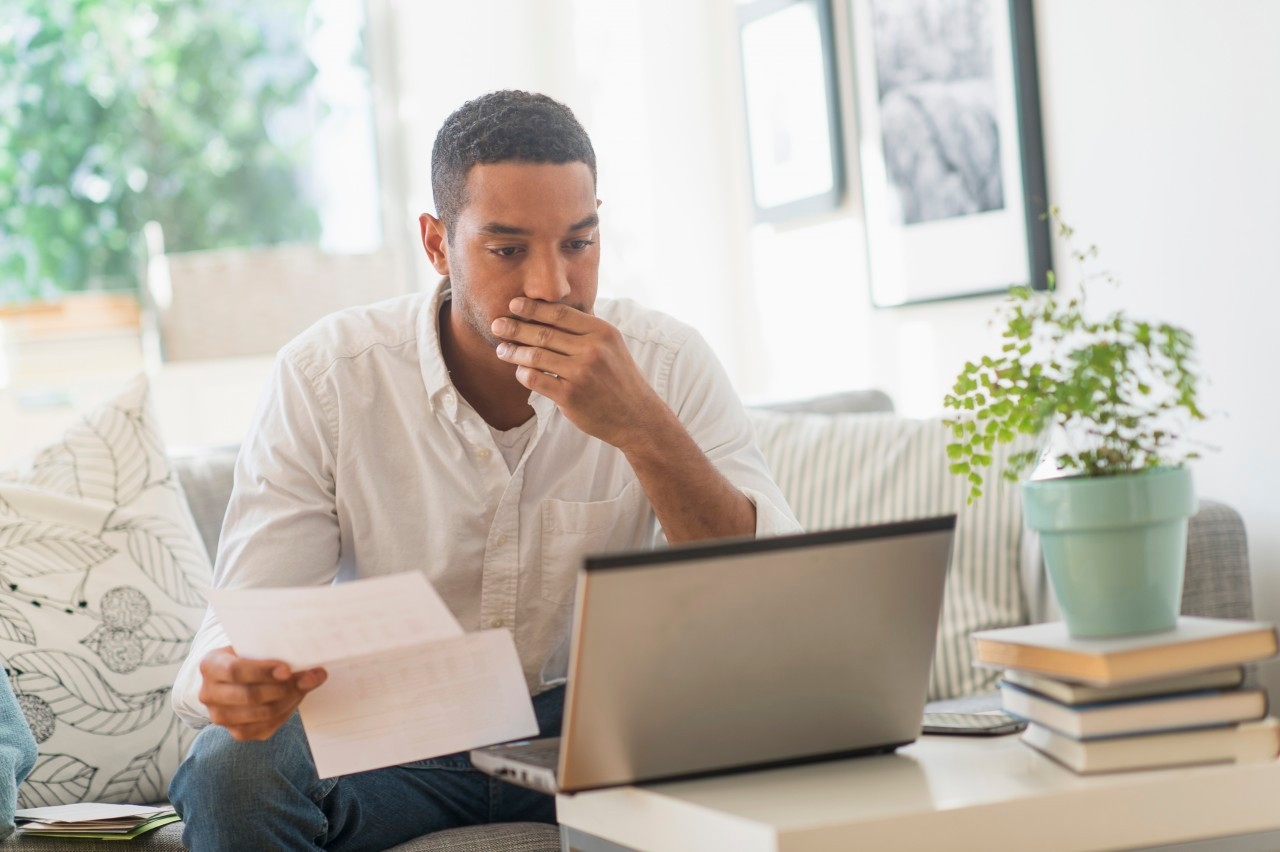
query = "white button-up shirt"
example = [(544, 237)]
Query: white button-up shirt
[(365, 460)]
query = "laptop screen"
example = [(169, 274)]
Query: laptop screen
[(750, 652)]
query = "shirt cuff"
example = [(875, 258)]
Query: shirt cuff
[(770, 519), (185, 697)]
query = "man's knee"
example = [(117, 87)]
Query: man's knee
[(220, 769)]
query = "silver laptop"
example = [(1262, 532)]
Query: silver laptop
[(742, 654)]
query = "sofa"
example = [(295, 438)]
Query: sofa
[(817, 449)]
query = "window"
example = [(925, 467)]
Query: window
[(230, 122)]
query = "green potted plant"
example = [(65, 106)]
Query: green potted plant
[(1111, 397)]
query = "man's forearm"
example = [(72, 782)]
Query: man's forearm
[(691, 498)]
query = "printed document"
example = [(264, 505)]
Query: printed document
[(405, 682)]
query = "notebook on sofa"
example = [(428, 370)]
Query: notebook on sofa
[(743, 654)]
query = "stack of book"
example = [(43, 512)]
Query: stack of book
[(1137, 702), (93, 820)]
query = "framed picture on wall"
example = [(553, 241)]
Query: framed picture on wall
[(949, 147), (793, 126)]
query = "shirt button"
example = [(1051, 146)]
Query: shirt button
[(500, 540), (448, 399), (484, 454), (496, 623)]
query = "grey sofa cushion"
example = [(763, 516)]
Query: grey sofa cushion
[(847, 402), (503, 837), (1217, 584), (206, 481), (500, 837)]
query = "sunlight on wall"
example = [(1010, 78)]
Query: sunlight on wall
[(813, 315), (917, 370), (667, 132), (607, 55)]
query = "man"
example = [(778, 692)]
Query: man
[(488, 435)]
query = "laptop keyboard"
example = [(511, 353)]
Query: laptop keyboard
[(538, 753)]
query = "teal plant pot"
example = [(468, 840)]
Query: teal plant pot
[(1115, 547)]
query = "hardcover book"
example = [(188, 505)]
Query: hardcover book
[(1143, 715), (1067, 692), (1194, 645), (1249, 742)]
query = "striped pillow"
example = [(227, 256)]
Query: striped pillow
[(847, 470)]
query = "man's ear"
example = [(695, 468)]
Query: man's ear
[(435, 239)]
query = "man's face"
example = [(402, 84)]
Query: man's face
[(528, 229)]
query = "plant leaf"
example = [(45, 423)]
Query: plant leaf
[(165, 639), (140, 781), (55, 469), (166, 554), (29, 549), (111, 464), (148, 437), (80, 696), (14, 626), (56, 779), (94, 640)]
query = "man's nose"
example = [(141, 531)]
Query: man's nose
[(547, 279)]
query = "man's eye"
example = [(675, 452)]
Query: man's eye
[(505, 251), (581, 245)]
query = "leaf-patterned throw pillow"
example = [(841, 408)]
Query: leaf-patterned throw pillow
[(102, 584)]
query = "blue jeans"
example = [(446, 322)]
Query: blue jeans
[(266, 795)]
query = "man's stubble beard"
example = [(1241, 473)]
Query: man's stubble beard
[(470, 312)]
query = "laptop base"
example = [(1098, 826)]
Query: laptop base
[(510, 763)]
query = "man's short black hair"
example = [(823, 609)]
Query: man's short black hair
[(501, 127)]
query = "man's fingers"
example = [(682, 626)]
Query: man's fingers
[(224, 666), (231, 717), (256, 730), (552, 387), (244, 695), (555, 314), (539, 359), (252, 698), (259, 671), (310, 679), (534, 334)]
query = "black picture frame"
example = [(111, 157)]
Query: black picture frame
[(950, 149), (790, 92)]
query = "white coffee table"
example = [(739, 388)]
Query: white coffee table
[(947, 793)]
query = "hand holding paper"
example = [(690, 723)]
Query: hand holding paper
[(405, 683)]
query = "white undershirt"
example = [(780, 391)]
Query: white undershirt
[(512, 443)]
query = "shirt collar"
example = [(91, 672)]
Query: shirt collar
[(435, 375)]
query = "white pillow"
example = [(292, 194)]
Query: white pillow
[(848, 470), (102, 586)]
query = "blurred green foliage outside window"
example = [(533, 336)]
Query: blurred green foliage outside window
[(195, 113)]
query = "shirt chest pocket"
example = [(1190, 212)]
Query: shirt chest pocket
[(571, 531)]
